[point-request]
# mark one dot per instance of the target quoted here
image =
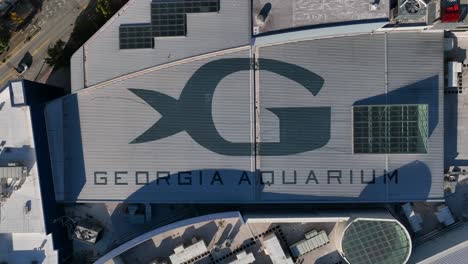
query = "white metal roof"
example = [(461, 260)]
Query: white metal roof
[(100, 122), (22, 228), (100, 58), (16, 131)]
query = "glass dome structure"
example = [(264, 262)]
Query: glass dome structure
[(376, 241)]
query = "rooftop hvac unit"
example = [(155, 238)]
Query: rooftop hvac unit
[(414, 219), (444, 215), (453, 70), (87, 232), (412, 10), (412, 7)]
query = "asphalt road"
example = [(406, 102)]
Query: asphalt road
[(56, 21)]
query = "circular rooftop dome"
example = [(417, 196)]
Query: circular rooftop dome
[(376, 241)]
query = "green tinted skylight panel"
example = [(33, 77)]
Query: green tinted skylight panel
[(390, 129), (137, 36), (168, 19)]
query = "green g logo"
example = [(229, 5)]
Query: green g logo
[(301, 128)]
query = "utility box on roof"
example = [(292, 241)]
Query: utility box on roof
[(453, 70)]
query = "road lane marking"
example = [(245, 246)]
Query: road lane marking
[(39, 48), (20, 48), (7, 71)]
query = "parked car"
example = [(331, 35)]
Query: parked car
[(22, 68)]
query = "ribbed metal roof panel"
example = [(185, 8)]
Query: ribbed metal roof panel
[(354, 71), (77, 70), (458, 256), (101, 122), (206, 32), (111, 117), (415, 63)]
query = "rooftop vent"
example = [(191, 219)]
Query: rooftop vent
[(412, 10), (413, 6), (263, 15), (87, 232), (12, 178)]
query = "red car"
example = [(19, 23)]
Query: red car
[(450, 11)]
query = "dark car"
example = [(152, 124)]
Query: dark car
[(22, 68)]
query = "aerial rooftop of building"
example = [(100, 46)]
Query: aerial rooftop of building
[(287, 118), (121, 45), (23, 235), (18, 152), (113, 150)]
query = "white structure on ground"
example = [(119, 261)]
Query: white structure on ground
[(243, 258), (312, 241), (275, 251), (23, 236), (444, 215), (414, 218), (182, 255)]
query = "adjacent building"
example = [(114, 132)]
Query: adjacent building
[(230, 237), (221, 101), (27, 205)]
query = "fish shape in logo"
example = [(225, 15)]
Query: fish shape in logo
[(302, 129)]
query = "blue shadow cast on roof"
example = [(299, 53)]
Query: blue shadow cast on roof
[(422, 92), (36, 97), (230, 185)]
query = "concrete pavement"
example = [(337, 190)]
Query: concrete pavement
[(53, 22)]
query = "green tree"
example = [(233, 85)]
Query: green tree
[(55, 54), (4, 38), (104, 8), (3, 45)]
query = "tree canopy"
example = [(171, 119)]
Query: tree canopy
[(4, 38), (55, 54), (104, 8)]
